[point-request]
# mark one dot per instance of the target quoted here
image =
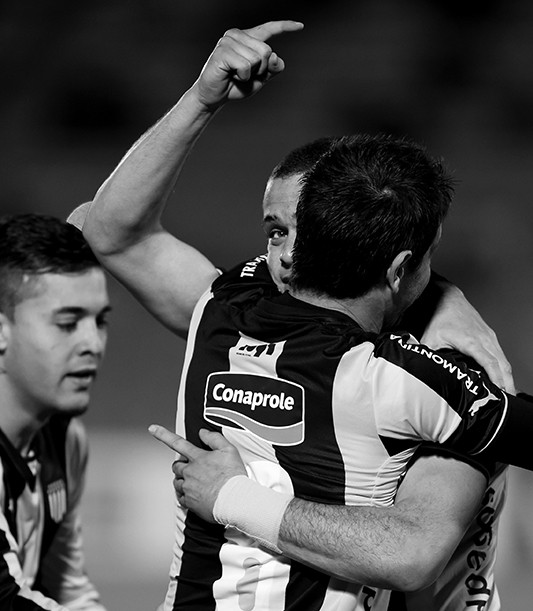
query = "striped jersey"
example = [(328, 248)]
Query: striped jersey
[(41, 557), (318, 408)]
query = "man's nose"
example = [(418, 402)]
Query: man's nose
[(286, 254), (93, 339)]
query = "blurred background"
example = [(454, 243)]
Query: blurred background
[(83, 80)]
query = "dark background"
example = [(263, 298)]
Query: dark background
[(82, 81)]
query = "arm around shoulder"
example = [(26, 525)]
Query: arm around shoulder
[(404, 547)]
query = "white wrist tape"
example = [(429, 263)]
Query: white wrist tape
[(253, 509)]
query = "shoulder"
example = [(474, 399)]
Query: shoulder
[(439, 369), (76, 446), (250, 271), (249, 280)]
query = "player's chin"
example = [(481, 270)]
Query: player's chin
[(76, 411), (75, 404)]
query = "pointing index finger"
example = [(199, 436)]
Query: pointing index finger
[(174, 442), (272, 28)]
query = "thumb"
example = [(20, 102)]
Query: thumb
[(214, 440)]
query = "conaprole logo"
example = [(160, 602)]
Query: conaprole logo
[(267, 407)]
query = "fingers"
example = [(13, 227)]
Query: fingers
[(178, 488), (247, 56), (214, 440), (241, 63), (267, 30), (508, 379), (177, 468), (163, 434), (499, 367), (174, 442), (251, 54), (499, 370)]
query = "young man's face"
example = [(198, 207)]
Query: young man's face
[(55, 341), (279, 222)]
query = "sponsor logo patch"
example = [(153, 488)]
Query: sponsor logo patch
[(267, 407)]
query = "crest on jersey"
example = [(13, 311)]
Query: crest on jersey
[(57, 500), (268, 407)]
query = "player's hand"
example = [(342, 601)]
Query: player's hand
[(241, 63), (457, 324), (200, 474)]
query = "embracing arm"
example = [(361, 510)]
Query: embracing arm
[(380, 546), (442, 317), (123, 223), (404, 547)]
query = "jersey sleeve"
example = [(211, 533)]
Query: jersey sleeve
[(63, 572), (432, 395), (251, 279), (512, 444)]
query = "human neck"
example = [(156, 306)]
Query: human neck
[(367, 310)]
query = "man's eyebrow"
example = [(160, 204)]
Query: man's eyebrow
[(270, 218), (76, 310)]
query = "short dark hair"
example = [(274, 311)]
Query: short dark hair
[(34, 244), (364, 201), (303, 158)]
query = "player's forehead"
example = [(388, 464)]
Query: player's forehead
[(85, 290), (281, 198)]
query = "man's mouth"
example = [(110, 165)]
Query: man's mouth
[(83, 376)]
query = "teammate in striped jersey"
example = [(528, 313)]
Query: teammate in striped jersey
[(460, 584), (160, 153), (321, 407), (53, 307)]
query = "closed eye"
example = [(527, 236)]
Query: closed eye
[(67, 327)]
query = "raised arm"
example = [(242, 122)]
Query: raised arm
[(123, 223), (379, 546)]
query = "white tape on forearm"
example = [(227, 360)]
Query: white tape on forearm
[(252, 508)]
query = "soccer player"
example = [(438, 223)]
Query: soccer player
[(53, 330), (458, 582), (167, 275), (321, 405)]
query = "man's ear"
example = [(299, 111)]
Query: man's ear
[(396, 270), (5, 332)]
